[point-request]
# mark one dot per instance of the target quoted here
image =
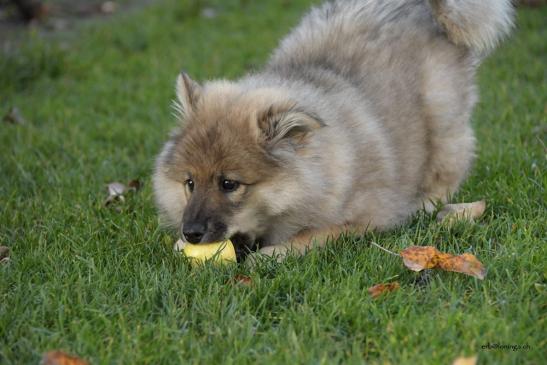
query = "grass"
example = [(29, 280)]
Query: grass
[(105, 284)]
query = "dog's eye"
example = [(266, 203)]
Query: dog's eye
[(190, 184), (229, 185)]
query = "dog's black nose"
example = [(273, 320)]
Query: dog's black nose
[(193, 232)]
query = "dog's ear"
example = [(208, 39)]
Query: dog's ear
[(188, 93), (287, 123)]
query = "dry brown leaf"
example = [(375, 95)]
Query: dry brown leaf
[(464, 211), (465, 361), (380, 289), (61, 358), (134, 185), (117, 190), (243, 280), (418, 258), (4, 255), (465, 264)]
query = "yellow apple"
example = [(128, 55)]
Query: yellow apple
[(223, 252)]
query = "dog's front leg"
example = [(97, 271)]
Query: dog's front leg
[(301, 243)]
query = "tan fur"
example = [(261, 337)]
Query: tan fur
[(360, 118)]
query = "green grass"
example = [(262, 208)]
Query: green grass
[(105, 284)]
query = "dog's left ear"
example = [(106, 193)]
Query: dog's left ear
[(287, 123), (188, 93)]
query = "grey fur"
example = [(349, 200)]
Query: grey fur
[(393, 82)]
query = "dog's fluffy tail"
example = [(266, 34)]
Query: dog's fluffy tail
[(477, 24)]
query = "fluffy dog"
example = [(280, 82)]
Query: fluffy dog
[(360, 118)]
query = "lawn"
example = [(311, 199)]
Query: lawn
[(103, 283)]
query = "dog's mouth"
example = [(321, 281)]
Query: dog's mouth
[(244, 245)]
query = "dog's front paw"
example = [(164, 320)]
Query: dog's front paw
[(279, 252)]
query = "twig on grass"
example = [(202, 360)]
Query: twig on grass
[(384, 249)]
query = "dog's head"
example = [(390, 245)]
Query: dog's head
[(223, 173)]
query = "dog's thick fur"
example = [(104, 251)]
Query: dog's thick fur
[(360, 118)]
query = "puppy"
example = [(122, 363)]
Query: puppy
[(359, 119)]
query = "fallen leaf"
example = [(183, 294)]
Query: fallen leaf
[(134, 185), (61, 358), (418, 258), (4, 254), (243, 280), (13, 116), (380, 289), (464, 211), (465, 264), (465, 361), (117, 190)]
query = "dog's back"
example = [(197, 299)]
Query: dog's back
[(413, 62)]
